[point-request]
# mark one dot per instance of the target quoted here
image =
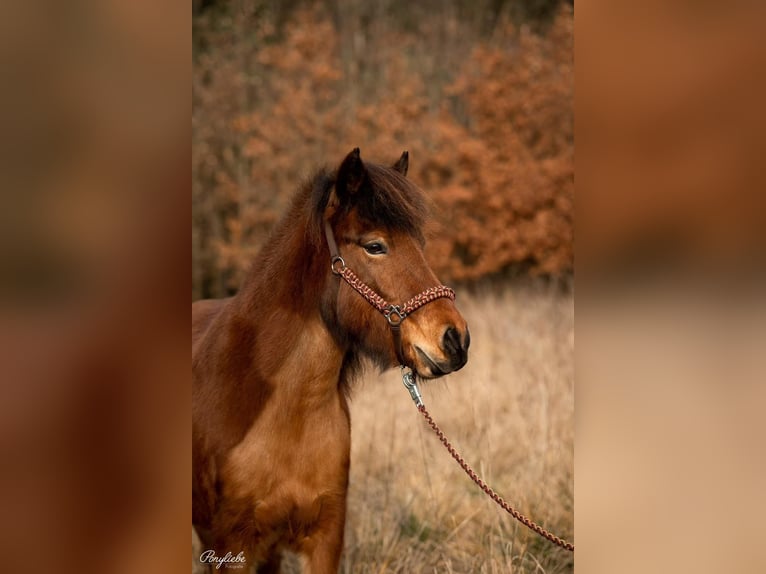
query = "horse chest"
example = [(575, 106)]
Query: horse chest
[(286, 478)]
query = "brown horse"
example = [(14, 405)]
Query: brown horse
[(272, 366)]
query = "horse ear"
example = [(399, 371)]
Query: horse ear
[(351, 175), (403, 163)]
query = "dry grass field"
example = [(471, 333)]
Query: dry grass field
[(510, 412)]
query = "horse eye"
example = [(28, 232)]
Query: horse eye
[(375, 248)]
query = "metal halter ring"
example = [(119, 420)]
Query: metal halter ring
[(337, 259), (395, 311)]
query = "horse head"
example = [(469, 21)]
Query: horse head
[(374, 217)]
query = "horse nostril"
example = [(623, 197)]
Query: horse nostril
[(454, 345), (451, 341)]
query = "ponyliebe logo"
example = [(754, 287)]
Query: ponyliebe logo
[(230, 561)]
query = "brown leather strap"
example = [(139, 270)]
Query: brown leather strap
[(331, 241), (397, 335)]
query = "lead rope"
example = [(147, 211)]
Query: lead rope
[(408, 378), (395, 314)]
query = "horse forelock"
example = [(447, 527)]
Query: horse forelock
[(392, 201), (387, 199)]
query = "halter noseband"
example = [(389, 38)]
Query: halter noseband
[(394, 314)]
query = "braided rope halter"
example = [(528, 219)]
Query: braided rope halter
[(395, 314)]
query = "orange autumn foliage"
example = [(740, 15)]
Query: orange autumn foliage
[(488, 124)]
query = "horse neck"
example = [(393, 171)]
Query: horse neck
[(281, 300)]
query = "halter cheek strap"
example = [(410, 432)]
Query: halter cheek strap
[(394, 314)]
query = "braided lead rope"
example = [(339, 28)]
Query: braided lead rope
[(481, 484), (408, 378)]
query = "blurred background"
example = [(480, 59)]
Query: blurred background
[(481, 95), (479, 92)]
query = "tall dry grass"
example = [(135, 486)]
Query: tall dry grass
[(510, 412)]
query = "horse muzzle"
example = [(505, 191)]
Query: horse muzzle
[(451, 356)]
